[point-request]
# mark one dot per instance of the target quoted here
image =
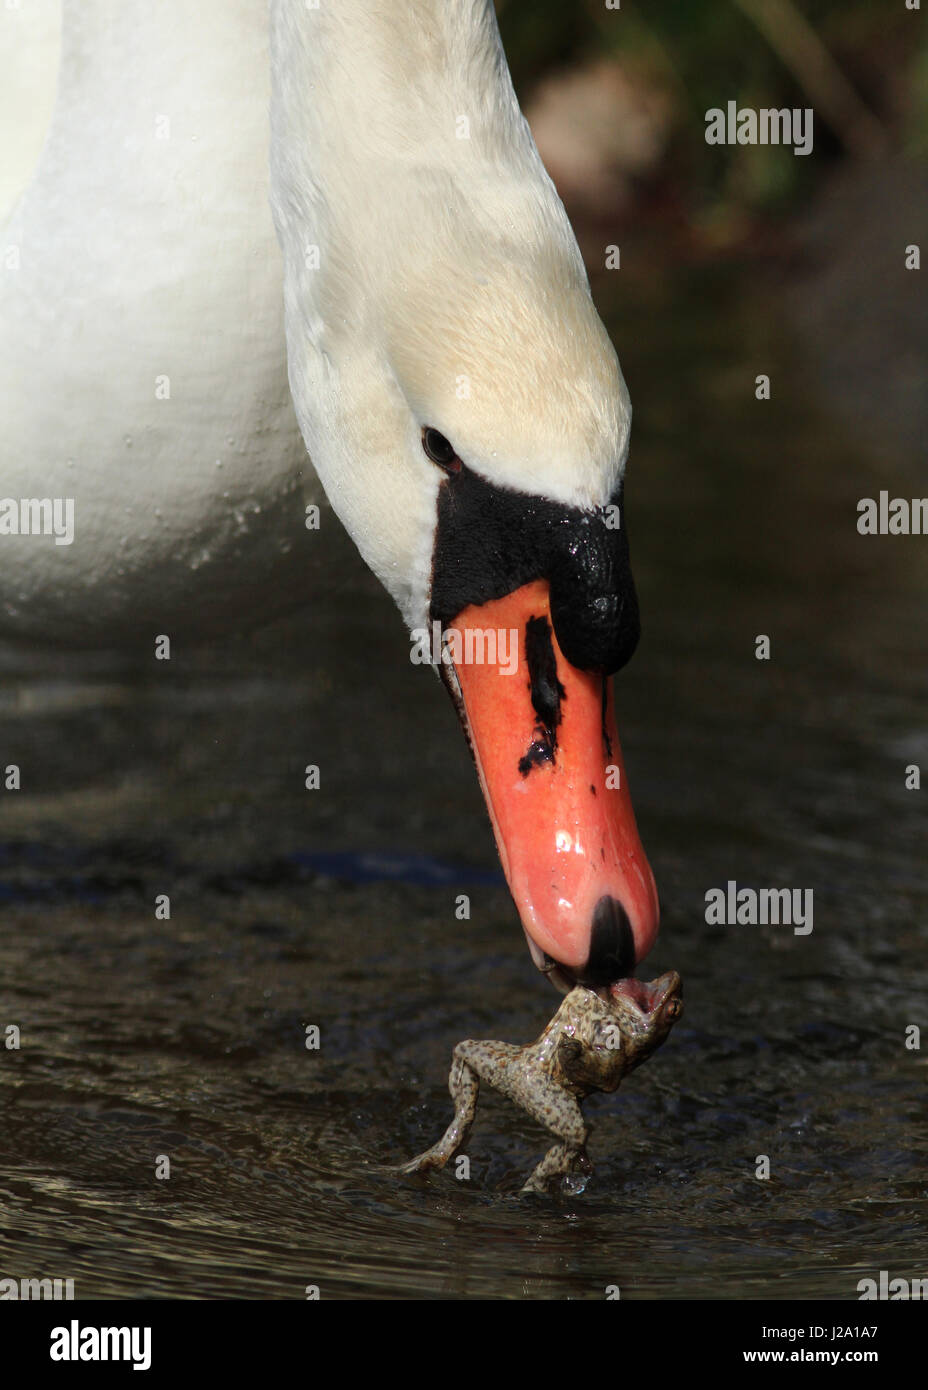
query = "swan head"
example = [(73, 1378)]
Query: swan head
[(483, 483)]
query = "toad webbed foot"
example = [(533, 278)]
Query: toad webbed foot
[(563, 1166)]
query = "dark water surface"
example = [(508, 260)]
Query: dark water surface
[(336, 907)]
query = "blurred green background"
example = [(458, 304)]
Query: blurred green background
[(657, 67)]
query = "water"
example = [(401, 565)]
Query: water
[(335, 908)]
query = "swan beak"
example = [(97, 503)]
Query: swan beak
[(544, 740)]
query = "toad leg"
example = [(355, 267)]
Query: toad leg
[(464, 1085), (560, 1112)]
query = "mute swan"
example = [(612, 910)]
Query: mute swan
[(459, 398)]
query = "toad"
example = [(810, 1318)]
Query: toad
[(591, 1043)]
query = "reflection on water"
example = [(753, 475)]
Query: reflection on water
[(186, 1038)]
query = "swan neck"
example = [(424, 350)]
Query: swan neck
[(411, 83)]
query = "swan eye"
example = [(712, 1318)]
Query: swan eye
[(440, 450)]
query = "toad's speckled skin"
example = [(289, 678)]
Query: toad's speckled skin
[(589, 1045)]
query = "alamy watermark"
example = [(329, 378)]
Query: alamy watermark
[(897, 516), (750, 907), (884, 1287), (89, 1343), (38, 516), (768, 126), (475, 646), (25, 1290)]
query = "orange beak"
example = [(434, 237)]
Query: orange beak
[(544, 739)]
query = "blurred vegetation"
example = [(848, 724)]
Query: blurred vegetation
[(861, 64)]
